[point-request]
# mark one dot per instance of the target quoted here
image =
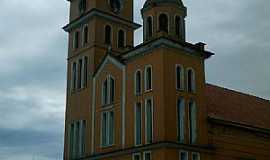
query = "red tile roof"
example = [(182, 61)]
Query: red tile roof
[(237, 107)]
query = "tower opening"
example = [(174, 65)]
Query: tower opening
[(163, 23)]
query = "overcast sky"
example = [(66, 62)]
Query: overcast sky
[(33, 50)]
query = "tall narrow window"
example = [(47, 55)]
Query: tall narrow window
[(82, 6), (195, 156), (108, 34), (181, 119), (108, 90), (77, 139), (138, 82), (83, 138), (76, 40), (149, 120), (148, 78), (74, 76), (85, 35), (147, 156), (71, 140), (105, 92), (85, 76), (80, 74), (177, 26), (191, 80), (137, 156), (112, 89), (192, 122), (121, 39), (107, 128), (179, 77), (163, 23), (149, 27), (138, 124), (183, 155)]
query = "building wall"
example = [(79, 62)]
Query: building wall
[(239, 144)]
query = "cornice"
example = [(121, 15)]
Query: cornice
[(98, 13)]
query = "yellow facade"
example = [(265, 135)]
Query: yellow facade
[(93, 65)]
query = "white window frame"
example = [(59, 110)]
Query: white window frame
[(183, 151), (135, 82), (147, 152), (107, 139), (136, 154), (196, 153), (193, 81), (135, 128), (108, 98), (152, 107), (178, 121), (145, 78), (195, 134), (182, 77)]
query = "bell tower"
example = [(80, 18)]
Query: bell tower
[(164, 18), (95, 28)]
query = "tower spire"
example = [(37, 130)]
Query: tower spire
[(164, 18)]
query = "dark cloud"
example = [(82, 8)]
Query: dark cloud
[(33, 51)]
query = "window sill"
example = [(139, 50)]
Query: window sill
[(180, 90), (148, 91), (107, 146)]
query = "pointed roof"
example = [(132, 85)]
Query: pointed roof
[(157, 2)]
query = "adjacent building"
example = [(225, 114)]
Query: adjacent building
[(151, 101)]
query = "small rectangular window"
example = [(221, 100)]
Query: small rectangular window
[(147, 156), (183, 155), (137, 156), (195, 156)]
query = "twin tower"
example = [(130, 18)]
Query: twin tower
[(133, 102)]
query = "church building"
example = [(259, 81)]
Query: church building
[(151, 101)]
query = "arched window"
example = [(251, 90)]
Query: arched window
[(191, 80), (192, 122), (85, 35), (177, 26), (148, 78), (76, 40), (108, 34), (149, 27), (179, 77), (138, 83), (121, 38), (108, 90), (163, 23)]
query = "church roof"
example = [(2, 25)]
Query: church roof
[(156, 2), (236, 107)]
